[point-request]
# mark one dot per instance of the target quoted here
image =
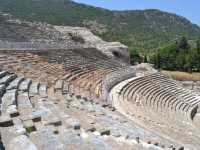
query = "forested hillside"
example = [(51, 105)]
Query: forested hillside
[(179, 55), (143, 31)]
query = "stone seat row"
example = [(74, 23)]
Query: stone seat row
[(15, 120), (108, 120), (17, 91), (33, 70), (44, 128), (80, 58), (163, 96), (84, 81)]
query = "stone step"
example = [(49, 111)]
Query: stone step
[(34, 89), (43, 90), (9, 101), (24, 86), (15, 83), (2, 89), (3, 73), (8, 78), (58, 86), (5, 121), (11, 130), (23, 101), (45, 139), (29, 126), (21, 142), (65, 88), (73, 123)]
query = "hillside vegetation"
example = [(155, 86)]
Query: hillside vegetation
[(182, 76), (179, 55), (143, 31)]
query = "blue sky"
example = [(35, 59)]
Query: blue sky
[(187, 8)]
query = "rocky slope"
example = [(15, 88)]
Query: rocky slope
[(16, 34), (60, 88), (140, 30)]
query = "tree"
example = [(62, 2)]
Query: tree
[(158, 61), (198, 46), (183, 43), (197, 57), (145, 58), (155, 59), (135, 57), (177, 56), (189, 64)]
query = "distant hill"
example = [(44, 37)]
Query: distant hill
[(142, 31)]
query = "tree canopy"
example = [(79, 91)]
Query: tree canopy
[(178, 56)]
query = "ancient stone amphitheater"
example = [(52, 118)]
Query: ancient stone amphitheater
[(82, 94)]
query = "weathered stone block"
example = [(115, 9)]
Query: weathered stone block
[(58, 86), (7, 79), (24, 101), (36, 119), (90, 129), (21, 143), (2, 89), (3, 73), (43, 90), (15, 83), (24, 86), (73, 124), (9, 98), (104, 132), (5, 121), (12, 110), (45, 139), (55, 123), (34, 89)]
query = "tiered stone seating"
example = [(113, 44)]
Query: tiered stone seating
[(82, 58), (90, 82), (80, 64), (6, 79), (32, 66), (113, 124), (15, 83), (73, 106), (76, 63), (15, 105), (159, 93), (28, 114)]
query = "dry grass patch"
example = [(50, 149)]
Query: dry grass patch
[(182, 76)]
